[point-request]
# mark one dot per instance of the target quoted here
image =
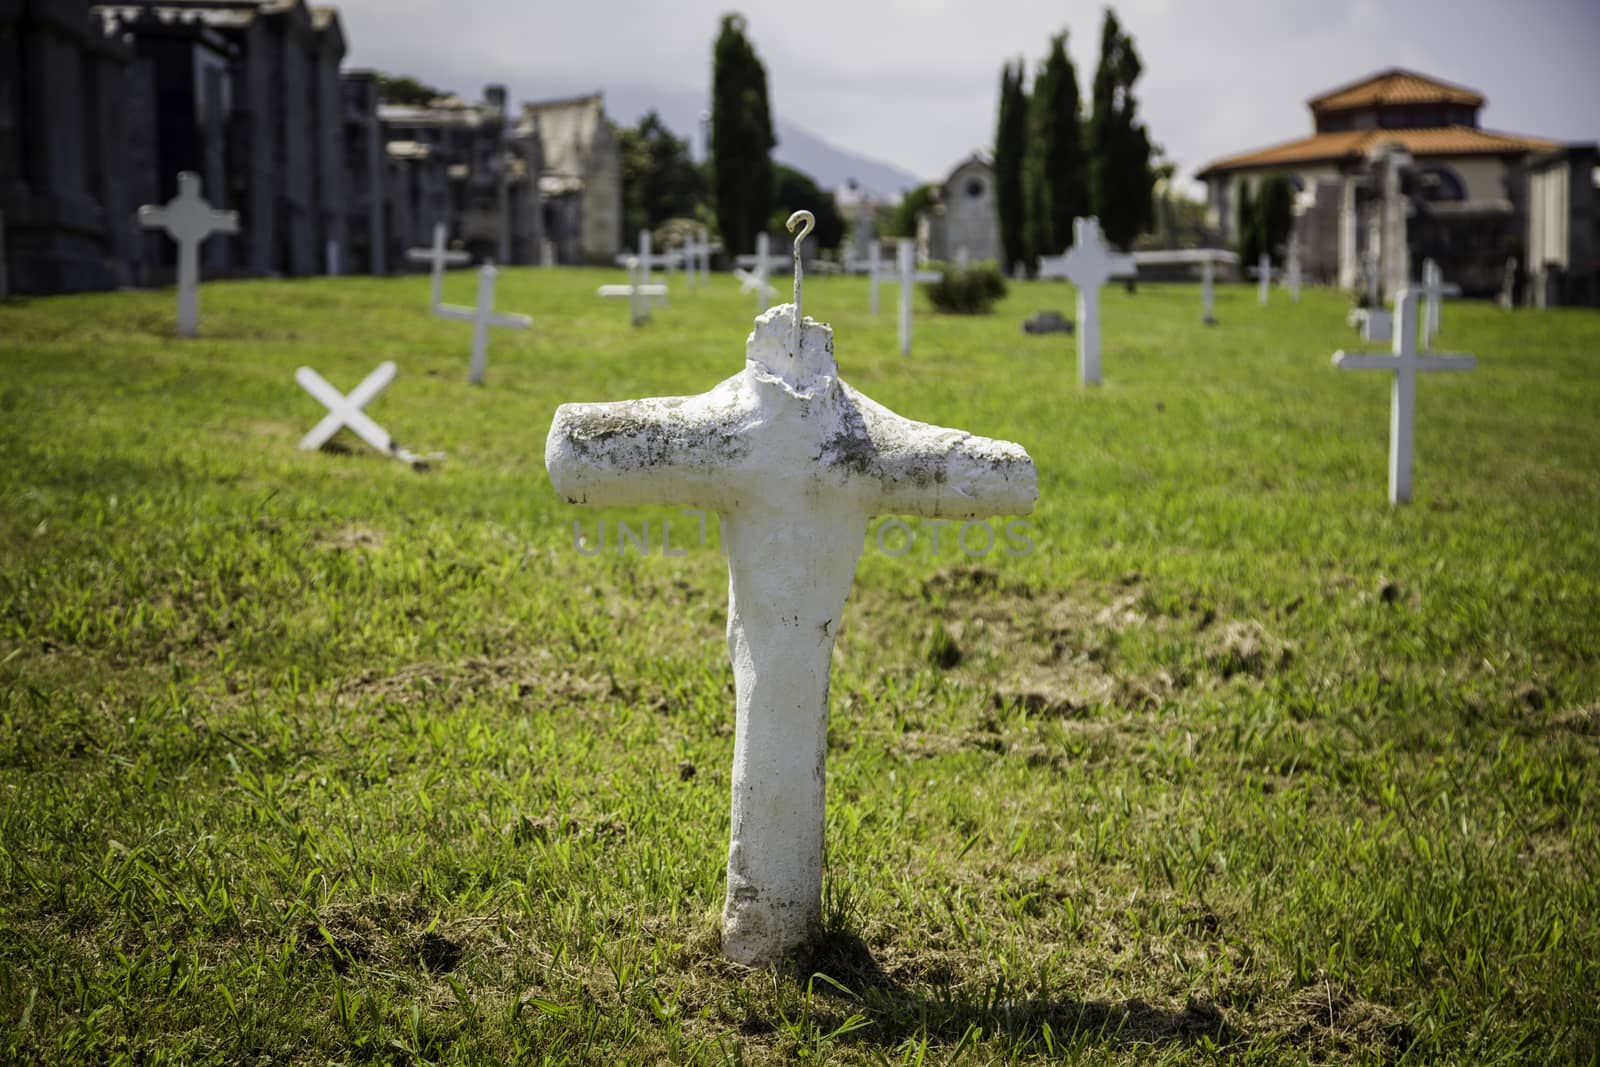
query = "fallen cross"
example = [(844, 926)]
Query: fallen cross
[(347, 411)]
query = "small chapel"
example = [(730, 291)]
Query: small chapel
[(1397, 168)]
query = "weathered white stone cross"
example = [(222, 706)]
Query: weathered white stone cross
[(1404, 363), (1088, 265), (437, 257), (1433, 287), (188, 220), (482, 316), (796, 462), (346, 411)]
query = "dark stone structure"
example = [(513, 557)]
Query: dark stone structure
[(64, 188)]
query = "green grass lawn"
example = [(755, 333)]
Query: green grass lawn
[(317, 758)]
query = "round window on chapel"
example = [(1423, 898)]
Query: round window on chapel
[(975, 188)]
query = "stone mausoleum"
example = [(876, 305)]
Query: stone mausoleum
[(1470, 198)]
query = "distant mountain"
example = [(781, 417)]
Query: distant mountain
[(827, 164)]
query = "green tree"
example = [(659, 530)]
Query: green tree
[(1274, 216), (404, 89), (1249, 233), (1121, 178), (792, 191), (1054, 173), (902, 220), (660, 180), (741, 138), (1010, 148)]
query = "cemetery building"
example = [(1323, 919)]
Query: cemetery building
[(66, 203), (580, 177), (247, 95), (1397, 168), (963, 221), (491, 203)]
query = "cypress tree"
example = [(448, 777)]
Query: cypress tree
[(741, 138), (1249, 232), (1055, 179), (1121, 179), (1274, 216), (1010, 147)]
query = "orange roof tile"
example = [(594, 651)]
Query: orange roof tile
[(1345, 145), (1394, 86)]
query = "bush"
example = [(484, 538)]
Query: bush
[(967, 290)]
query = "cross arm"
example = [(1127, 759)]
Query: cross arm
[(664, 450), (928, 470)]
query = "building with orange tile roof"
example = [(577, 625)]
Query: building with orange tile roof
[(1476, 197)]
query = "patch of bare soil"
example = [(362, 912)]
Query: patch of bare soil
[(1245, 647), (354, 537), (1328, 1020)]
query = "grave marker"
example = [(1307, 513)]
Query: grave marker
[(637, 293), (795, 462), (335, 260), (907, 275), (347, 411), (1292, 270), (188, 220), (1088, 264), (1208, 293), (646, 259), (436, 257), (482, 316), (1263, 270), (1404, 363), (1432, 289), (1508, 284), (760, 269)]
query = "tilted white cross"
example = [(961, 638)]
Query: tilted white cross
[(188, 220), (482, 316), (636, 292), (796, 462), (1433, 287), (1088, 264), (1404, 363), (347, 411), (437, 257), (907, 275)]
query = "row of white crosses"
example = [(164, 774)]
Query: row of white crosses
[(188, 220), (1088, 264), (796, 463)]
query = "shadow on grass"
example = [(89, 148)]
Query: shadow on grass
[(947, 1012)]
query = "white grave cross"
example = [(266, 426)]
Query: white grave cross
[(188, 220), (759, 270), (1292, 269), (482, 316), (347, 411), (1088, 265), (637, 293), (908, 275), (1433, 287), (796, 462), (1404, 364), (1263, 270), (437, 257)]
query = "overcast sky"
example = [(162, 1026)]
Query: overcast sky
[(916, 82)]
